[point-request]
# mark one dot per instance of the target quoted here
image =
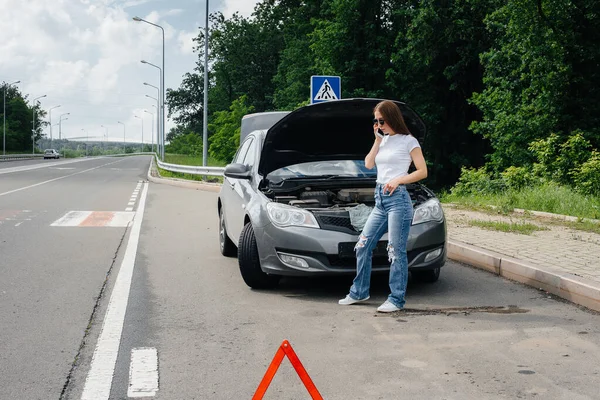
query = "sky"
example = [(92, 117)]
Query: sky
[(85, 56)]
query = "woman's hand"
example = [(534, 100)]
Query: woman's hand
[(392, 185), (375, 131)]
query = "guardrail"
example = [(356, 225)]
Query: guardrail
[(12, 157), (191, 169)]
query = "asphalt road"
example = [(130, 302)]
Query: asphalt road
[(471, 335)]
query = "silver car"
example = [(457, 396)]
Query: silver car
[(51, 153), (297, 194)]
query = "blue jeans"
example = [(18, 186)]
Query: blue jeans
[(392, 213)]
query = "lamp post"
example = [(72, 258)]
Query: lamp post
[(86, 141), (162, 85), (158, 118), (148, 112), (162, 122), (105, 136), (157, 141), (205, 113), (4, 113), (50, 112), (33, 124), (123, 135), (142, 131), (60, 125)]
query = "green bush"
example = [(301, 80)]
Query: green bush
[(587, 177), (477, 181), (517, 177)]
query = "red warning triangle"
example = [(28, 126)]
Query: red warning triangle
[(286, 350)]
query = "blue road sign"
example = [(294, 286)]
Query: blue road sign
[(325, 88)]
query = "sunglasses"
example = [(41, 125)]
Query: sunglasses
[(381, 121)]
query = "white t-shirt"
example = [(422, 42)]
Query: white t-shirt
[(393, 158)]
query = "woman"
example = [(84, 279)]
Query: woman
[(393, 154)]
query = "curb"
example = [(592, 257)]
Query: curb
[(541, 214), (184, 183), (567, 286)]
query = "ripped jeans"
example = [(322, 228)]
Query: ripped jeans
[(392, 213)]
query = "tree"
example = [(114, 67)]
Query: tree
[(19, 120), (226, 127)]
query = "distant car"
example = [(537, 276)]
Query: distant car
[(288, 201), (51, 153)]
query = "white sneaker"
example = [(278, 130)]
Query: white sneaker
[(388, 307), (346, 301)]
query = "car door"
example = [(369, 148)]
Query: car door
[(244, 188), (232, 199)]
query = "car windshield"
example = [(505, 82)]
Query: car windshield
[(324, 169)]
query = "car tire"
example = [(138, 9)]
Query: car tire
[(250, 263), (227, 247), (427, 276)]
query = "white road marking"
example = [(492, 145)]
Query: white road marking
[(111, 219), (72, 218), (99, 379), (143, 372), (19, 223), (38, 166), (62, 168), (131, 203), (56, 179), (129, 209)]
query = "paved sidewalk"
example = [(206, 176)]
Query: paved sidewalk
[(562, 260)]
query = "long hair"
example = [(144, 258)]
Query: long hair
[(393, 116)]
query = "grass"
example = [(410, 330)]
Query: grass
[(511, 227), (549, 198)]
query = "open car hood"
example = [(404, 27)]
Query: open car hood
[(333, 130)]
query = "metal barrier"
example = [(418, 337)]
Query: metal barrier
[(191, 169), (12, 157)]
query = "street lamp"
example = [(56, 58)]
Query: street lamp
[(4, 136), (50, 112), (142, 131), (33, 123), (148, 112), (60, 125), (158, 119), (162, 119), (162, 84), (105, 136), (124, 151), (205, 111), (86, 141)]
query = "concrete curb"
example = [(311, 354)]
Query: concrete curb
[(567, 286), (184, 183)]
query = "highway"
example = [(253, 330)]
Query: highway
[(98, 264)]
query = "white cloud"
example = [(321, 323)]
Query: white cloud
[(244, 7), (186, 43)]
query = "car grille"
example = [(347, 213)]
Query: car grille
[(335, 221)]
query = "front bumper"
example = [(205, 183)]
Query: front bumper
[(328, 252)]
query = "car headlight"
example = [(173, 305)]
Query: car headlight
[(431, 210), (283, 215)]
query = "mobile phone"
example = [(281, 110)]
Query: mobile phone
[(379, 133)]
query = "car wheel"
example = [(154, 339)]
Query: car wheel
[(250, 263), (228, 248), (428, 276)]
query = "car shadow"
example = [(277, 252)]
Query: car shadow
[(333, 288)]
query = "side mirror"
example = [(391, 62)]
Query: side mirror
[(238, 171)]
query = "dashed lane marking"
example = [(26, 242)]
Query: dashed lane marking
[(143, 372)]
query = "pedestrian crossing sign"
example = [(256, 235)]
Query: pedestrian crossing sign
[(325, 88)]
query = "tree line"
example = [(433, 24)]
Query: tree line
[(19, 119), (501, 84)]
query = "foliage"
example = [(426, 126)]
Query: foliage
[(19, 118), (189, 144), (518, 178), (587, 176), (226, 127), (473, 181)]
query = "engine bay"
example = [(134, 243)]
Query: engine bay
[(319, 198)]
